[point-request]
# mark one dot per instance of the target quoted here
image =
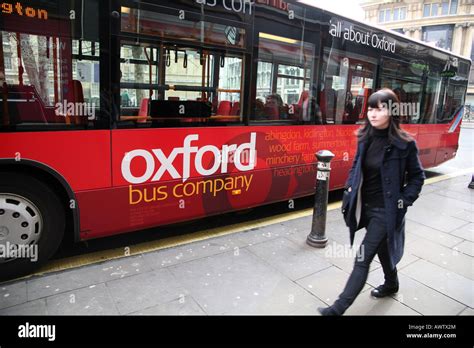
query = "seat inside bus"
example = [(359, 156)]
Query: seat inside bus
[(23, 104)]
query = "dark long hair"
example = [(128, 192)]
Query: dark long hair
[(384, 96)]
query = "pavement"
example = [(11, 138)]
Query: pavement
[(270, 270)]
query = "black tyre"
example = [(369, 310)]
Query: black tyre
[(32, 220)]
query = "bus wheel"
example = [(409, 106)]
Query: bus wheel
[(32, 223)]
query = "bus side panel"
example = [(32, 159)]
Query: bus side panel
[(428, 142), (136, 207), (282, 167), (275, 147), (449, 138), (81, 157), (448, 146)]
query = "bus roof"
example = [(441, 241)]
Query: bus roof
[(392, 32)]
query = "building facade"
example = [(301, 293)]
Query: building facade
[(448, 24)]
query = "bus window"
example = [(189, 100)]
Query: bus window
[(191, 69), (174, 83), (50, 70), (291, 82), (230, 87), (284, 80), (431, 96), (440, 85), (405, 79), (454, 80), (346, 84), (207, 77), (162, 22), (264, 81), (139, 66)]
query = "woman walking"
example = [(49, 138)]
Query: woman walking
[(386, 177)]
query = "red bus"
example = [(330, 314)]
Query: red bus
[(120, 115)]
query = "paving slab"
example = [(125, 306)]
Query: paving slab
[(428, 189), (338, 250), (92, 300), (142, 291), (443, 203), (291, 259), (465, 247), (406, 260), (409, 236), (192, 251), (454, 184), (465, 232), (446, 282), (65, 281), (263, 234), (343, 257), (465, 195), (326, 284), (185, 305), (437, 220), (429, 233), (465, 215), (365, 304), (239, 283), (418, 296), (308, 307), (12, 294), (467, 311), (37, 307), (449, 259)]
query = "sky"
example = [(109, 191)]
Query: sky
[(348, 8)]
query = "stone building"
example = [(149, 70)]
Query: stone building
[(447, 24)]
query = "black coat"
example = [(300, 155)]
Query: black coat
[(402, 179)]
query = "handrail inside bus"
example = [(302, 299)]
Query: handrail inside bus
[(159, 87)]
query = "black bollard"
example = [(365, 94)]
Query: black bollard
[(471, 184), (317, 238)]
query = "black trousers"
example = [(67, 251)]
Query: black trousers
[(374, 243)]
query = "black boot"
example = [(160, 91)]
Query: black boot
[(384, 290), (328, 311)]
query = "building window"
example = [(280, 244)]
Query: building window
[(454, 7), (439, 35), (8, 62), (445, 8), (430, 10), (388, 15), (396, 14), (381, 16), (471, 75), (403, 13), (427, 10)]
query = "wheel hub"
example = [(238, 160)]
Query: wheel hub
[(20, 222), (4, 231)]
